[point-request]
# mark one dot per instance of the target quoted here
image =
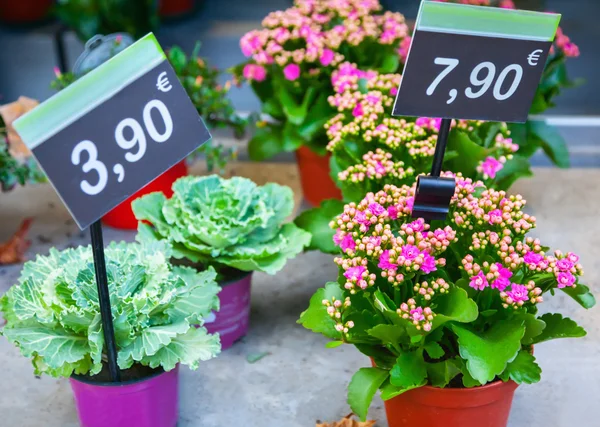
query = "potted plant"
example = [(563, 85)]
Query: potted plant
[(53, 317), (291, 60), (232, 225), (447, 311), (201, 82), (90, 17)]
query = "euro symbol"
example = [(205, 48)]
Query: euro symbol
[(162, 83), (534, 57)]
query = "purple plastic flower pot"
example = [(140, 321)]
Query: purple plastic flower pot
[(231, 321), (147, 402)]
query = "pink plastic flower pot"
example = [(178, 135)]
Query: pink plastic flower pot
[(147, 402), (231, 321)]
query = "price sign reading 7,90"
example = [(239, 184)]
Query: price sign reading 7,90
[(114, 130), (473, 62)]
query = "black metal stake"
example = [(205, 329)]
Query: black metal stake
[(440, 147), (104, 300), (59, 44)]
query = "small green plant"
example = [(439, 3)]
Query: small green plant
[(223, 223), (53, 316), (453, 303)]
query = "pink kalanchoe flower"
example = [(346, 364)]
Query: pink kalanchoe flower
[(572, 257), (491, 166), (479, 282), (422, 122), (327, 57), (384, 261), (57, 72), (361, 218), (533, 258), (437, 123), (410, 201), (410, 252), (501, 283), (565, 279), (495, 217), (255, 72), (392, 212), (394, 91), (355, 273), (345, 242), (518, 293), (376, 209), (428, 263), (358, 110), (504, 272), (417, 314), (564, 264), (417, 225), (375, 240), (291, 72)]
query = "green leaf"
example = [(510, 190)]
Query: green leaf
[(581, 294), (533, 327), (315, 317), (409, 370), (316, 222), (440, 374), (266, 142), (455, 306), (558, 327), (388, 334), (292, 140), (189, 349), (318, 114), (389, 390), (523, 369), (296, 113), (390, 63), (467, 380), (488, 354), (434, 350), (553, 143), (334, 344), (470, 154), (362, 388), (514, 169)]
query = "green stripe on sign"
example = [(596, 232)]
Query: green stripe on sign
[(487, 21), (89, 91)]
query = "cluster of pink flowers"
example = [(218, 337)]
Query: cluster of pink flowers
[(382, 244), (309, 36), (375, 166), (504, 148), (335, 308)]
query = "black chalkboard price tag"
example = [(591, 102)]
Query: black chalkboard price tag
[(473, 62), (114, 130)]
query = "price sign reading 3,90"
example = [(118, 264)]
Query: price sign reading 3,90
[(114, 130), (473, 62)]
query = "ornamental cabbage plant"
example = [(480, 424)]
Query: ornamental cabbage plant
[(53, 316), (291, 59), (451, 304), (225, 223)]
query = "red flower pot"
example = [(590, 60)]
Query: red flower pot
[(122, 215), (316, 181), (175, 8), (485, 406), (24, 11)]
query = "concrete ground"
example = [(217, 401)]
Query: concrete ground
[(299, 381)]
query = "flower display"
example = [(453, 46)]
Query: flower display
[(223, 223), (292, 58), (431, 302)]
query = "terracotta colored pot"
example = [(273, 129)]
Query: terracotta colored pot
[(175, 8), (485, 406), (122, 215), (24, 11), (317, 184)]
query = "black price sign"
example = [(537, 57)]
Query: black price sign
[(114, 130), (472, 62)]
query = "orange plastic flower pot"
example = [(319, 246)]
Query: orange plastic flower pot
[(485, 406), (122, 215), (316, 182)]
